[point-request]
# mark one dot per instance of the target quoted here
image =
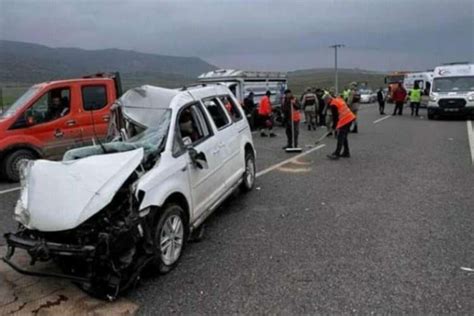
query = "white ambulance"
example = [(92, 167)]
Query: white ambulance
[(424, 79), (452, 91)]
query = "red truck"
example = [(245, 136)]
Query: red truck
[(52, 117)]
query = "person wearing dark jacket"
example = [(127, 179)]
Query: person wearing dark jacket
[(381, 100), (322, 116), (291, 118), (250, 109)]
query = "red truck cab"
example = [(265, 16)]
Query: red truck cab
[(53, 117)]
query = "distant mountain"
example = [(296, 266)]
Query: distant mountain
[(27, 63)]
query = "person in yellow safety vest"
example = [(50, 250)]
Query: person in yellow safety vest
[(415, 99), (346, 93), (342, 120), (292, 119)]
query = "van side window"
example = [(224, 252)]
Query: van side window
[(94, 97), (51, 106), (217, 112), (193, 124), (231, 107)]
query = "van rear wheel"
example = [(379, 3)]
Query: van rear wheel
[(248, 178), (11, 164)]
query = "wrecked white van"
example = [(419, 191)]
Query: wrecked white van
[(107, 211)]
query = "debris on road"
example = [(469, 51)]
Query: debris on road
[(21, 294), (467, 269)]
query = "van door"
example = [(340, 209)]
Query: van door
[(50, 120), (234, 161), (206, 185), (94, 114)]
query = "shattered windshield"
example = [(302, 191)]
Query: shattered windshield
[(152, 139), (20, 102)]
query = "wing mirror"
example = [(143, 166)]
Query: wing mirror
[(198, 158)]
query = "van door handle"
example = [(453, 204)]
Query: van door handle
[(106, 118), (70, 123), (58, 133)]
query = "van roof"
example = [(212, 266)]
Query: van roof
[(221, 74), (454, 70)]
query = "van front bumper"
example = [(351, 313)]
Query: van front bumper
[(464, 111), (40, 250)]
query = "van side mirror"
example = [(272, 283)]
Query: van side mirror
[(198, 158)]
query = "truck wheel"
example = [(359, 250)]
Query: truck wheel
[(248, 178), (169, 238), (11, 163), (431, 116)]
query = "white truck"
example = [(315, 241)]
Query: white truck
[(452, 92), (242, 82), (424, 80)]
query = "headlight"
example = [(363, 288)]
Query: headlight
[(433, 97), (471, 97)]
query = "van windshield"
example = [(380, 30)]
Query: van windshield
[(453, 84), (151, 139), (20, 102)]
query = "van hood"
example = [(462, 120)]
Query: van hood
[(61, 195)]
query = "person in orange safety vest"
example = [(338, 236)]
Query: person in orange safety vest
[(265, 115), (342, 121)]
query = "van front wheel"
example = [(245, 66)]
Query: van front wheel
[(11, 164)]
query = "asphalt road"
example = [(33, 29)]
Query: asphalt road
[(386, 231)]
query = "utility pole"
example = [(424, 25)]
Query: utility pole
[(336, 46)]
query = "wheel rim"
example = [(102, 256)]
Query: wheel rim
[(249, 172), (171, 239)]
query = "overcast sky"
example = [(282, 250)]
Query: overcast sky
[(256, 34)]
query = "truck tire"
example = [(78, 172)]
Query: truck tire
[(11, 163), (431, 116), (169, 238)]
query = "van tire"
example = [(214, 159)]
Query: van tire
[(10, 163), (165, 263), (248, 178)]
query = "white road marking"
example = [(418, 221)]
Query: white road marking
[(470, 134), (10, 190), (271, 168), (467, 269), (381, 119)]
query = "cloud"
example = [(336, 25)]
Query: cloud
[(255, 33)]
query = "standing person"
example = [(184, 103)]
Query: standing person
[(328, 117), (399, 97), (321, 117), (309, 102), (265, 115), (381, 100), (415, 99), (353, 102), (250, 109), (292, 117), (342, 120)]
